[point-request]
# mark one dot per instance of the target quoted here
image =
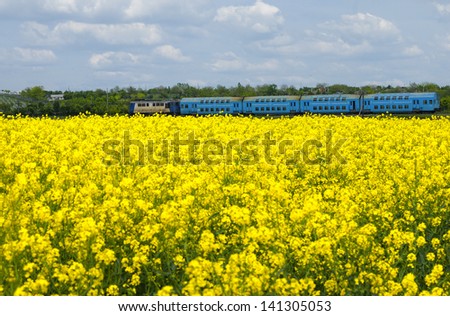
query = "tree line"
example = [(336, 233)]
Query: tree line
[(36, 101)]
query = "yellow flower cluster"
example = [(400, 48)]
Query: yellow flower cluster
[(224, 205)]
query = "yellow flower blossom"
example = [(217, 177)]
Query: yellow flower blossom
[(224, 205)]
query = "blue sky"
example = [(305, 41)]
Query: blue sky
[(90, 44)]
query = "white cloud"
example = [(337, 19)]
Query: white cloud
[(115, 59), (61, 6), (231, 62), (338, 46), (413, 51), (76, 9), (362, 25), (27, 56), (171, 53), (443, 8), (114, 34), (357, 34), (446, 42), (260, 17), (165, 9), (34, 55)]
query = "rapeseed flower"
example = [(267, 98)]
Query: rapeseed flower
[(222, 205)]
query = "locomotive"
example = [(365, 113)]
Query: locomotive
[(293, 105)]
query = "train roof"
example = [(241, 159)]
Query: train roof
[(273, 98), (409, 94), (335, 96), (209, 99)]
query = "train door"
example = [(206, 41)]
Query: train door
[(131, 108)]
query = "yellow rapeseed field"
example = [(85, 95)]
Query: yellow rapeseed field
[(310, 205)]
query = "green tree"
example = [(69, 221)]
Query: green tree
[(35, 93)]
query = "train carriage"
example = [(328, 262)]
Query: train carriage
[(401, 102), (153, 107), (273, 105), (330, 104), (211, 105)]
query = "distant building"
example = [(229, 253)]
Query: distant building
[(56, 97)]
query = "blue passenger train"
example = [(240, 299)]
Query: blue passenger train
[(293, 105)]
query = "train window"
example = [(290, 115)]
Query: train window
[(400, 107), (400, 98), (284, 108), (320, 99), (344, 107), (406, 97), (315, 99), (425, 101), (326, 99), (375, 107), (326, 108), (332, 108), (394, 98), (338, 107), (273, 108), (388, 98), (267, 109), (257, 109), (394, 107), (381, 98), (201, 110), (388, 107), (406, 106), (315, 108), (284, 100), (344, 99), (320, 108), (382, 107)]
